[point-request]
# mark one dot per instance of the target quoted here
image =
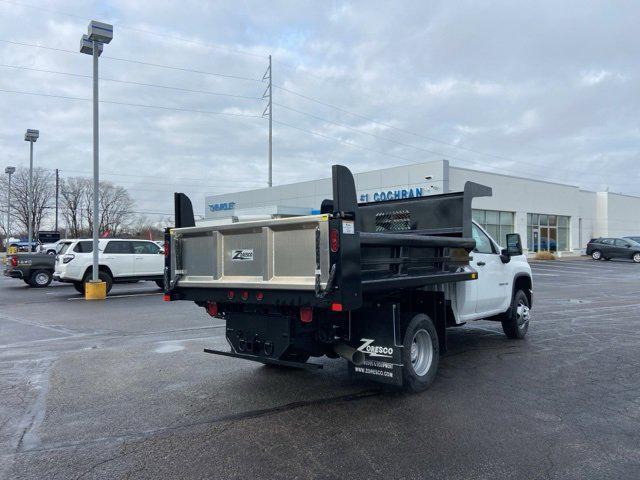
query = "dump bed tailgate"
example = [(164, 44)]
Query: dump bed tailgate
[(290, 253)]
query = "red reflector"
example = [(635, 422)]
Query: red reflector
[(14, 261), (212, 308), (334, 240), (245, 296), (166, 297), (231, 294), (306, 314), (259, 296), (336, 307)]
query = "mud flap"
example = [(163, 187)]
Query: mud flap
[(377, 332)]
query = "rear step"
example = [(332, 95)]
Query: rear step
[(267, 361)]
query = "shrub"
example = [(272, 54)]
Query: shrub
[(545, 256)]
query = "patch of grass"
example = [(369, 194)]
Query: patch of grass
[(545, 256)]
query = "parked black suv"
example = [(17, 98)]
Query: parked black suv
[(609, 248)]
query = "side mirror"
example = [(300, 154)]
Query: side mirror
[(514, 245)]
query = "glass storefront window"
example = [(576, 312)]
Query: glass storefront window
[(496, 223), (547, 232)]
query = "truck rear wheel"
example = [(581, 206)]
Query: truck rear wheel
[(516, 321), (40, 279), (420, 355)]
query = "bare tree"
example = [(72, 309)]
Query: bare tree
[(43, 192), (115, 207), (73, 191)]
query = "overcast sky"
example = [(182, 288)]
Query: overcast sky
[(546, 90)]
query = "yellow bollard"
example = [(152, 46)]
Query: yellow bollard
[(95, 290)]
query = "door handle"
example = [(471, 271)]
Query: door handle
[(481, 264)]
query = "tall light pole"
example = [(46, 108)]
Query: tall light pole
[(9, 171), (31, 136), (98, 34)]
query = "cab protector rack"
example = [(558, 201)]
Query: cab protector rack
[(336, 284)]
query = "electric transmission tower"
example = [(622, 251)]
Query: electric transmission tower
[(268, 111)]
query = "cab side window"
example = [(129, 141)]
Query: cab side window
[(483, 243)]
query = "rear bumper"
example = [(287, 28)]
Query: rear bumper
[(13, 273)]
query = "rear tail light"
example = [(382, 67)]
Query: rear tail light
[(212, 308), (231, 294), (14, 261), (336, 307), (334, 240), (166, 248), (245, 296), (67, 258), (306, 314), (259, 296), (166, 297)]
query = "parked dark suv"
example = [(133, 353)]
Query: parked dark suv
[(609, 248)]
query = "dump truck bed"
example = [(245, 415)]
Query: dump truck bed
[(284, 253)]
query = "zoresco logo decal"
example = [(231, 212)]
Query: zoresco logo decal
[(374, 350), (242, 255)]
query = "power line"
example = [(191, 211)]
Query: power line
[(140, 30), (357, 130), (355, 145), (386, 125), (112, 102), (128, 82), (139, 62)]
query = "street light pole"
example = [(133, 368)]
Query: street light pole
[(9, 171), (30, 136), (96, 163), (98, 34)]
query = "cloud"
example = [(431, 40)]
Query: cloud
[(497, 85)]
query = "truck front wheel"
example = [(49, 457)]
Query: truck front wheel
[(421, 354), (516, 321)]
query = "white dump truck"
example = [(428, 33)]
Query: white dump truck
[(377, 283)]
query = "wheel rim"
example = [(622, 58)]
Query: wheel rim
[(636, 258), (421, 352), (596, 255), (523, 315), (42, 279)]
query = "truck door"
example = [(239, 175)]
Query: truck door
[(147, 259), (491, 284)]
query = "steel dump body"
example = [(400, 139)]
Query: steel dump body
[(285, 254)]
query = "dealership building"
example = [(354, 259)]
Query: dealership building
[(548, 216)]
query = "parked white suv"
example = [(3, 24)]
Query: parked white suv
[(120, 261)]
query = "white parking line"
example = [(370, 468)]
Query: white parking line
[(109, 297)]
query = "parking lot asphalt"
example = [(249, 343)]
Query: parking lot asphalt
[(122, 389)]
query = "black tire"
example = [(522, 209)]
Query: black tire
[(160, 284), (607, 258), (102, 276), (596, 254), (420, 354), (40, 279), (636, 257), (79, 286), (516, 322)]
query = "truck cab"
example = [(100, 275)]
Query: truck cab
[(499, 276)]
